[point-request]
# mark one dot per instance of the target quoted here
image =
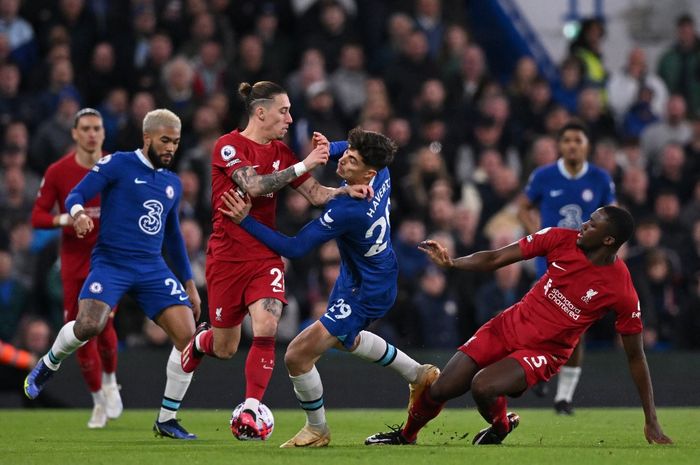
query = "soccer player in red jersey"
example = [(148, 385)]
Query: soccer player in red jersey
[(243, 275), (98, 357), (530, 341)]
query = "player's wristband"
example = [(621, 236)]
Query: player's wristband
[(63, 219), (75, 209), (300, 168)]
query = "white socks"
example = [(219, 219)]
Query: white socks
[(567, 382), (109, 379), (309, 391), (65, 344), (375, 349), (175, 387)]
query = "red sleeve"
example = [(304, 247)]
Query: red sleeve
[(228, 157), (627, 309), (289, 159), (46, 198), (541, 243)]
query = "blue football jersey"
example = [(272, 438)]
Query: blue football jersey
[(368, 270), (139, 209), (566, 201)]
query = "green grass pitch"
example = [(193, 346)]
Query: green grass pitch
[(592, 436)]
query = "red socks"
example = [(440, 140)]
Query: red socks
[(90, 365), (107, 346), (423, 410), (497, 415), (258, 366), (206, 342)]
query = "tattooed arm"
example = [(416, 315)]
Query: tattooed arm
[(256, 185)]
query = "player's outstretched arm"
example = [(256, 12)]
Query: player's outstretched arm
[(256, 185), (487, 260), (639, 370), (312, 235)]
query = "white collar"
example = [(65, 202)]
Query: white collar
[(567, 175)]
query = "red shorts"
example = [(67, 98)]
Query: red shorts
[(490, 344), (233, 286), (71, 293)]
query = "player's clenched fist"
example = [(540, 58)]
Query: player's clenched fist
[(82, 224), (318, 156)]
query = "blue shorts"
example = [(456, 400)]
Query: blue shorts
[(150, 282), (344, 319)]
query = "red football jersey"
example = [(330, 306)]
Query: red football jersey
[(570, 296), (60, 177), (228, 241)]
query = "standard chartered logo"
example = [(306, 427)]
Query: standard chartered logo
[(151, 222), (563, 303)]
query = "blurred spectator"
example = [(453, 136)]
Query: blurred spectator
[(543, 152), (194, 244), (52, 138), (625, 85), (130, 134), (192, 204), (405, 76), (466, 87), (348, 81), (605, 156), (592, 112), (691, 211), (507, 287), (60, 86), (679, 65), (101, 76), (399, 28), (672, 173), (634, 192), (79, 20), (667, 209), (673, 128), (249, 65), (148, 70), (437, 311), (427, 166), (428, 17), (114, 110), (33, 335), (15, 199), (20, 35), (568, 86), (312, 68), (14, 106), (587, 47), (177, 93), (209, 69), (336, 29), (639, 115), (278, 51), (689, 317), (455, 44), (13, 298)]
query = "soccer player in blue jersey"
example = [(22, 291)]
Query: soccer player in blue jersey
[(563, 194), (140, 198), (365, 289)]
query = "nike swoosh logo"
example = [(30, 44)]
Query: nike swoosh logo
[(183, 298), (138, 181), (255, 166), (277, 290), (554, 264), (267, 367), (556, 193)]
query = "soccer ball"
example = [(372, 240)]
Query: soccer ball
[(265, 421)]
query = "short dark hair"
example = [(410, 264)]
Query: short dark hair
[(87, 111), (376, 149), (573, 125), (258, 93), (684, 20), (620, 224)]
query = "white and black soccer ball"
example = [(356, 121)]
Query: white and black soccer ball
[(265, 421)]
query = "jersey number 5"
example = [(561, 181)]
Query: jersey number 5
[(380, 244)]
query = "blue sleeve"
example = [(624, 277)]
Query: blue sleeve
[(92, 184), (337, 149), (175, 246), (312, 235), (532, 189), (609, 196)]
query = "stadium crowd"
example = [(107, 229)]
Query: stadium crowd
[(468, 141)]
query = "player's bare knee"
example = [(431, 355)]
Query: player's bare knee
[(226, 351), (483, 387), (91, 319)]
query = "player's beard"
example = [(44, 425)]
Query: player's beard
[(157, 160)]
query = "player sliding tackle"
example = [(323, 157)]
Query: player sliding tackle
[(366, 287), (530, 341)]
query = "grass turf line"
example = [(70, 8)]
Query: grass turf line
[(592, 436)]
